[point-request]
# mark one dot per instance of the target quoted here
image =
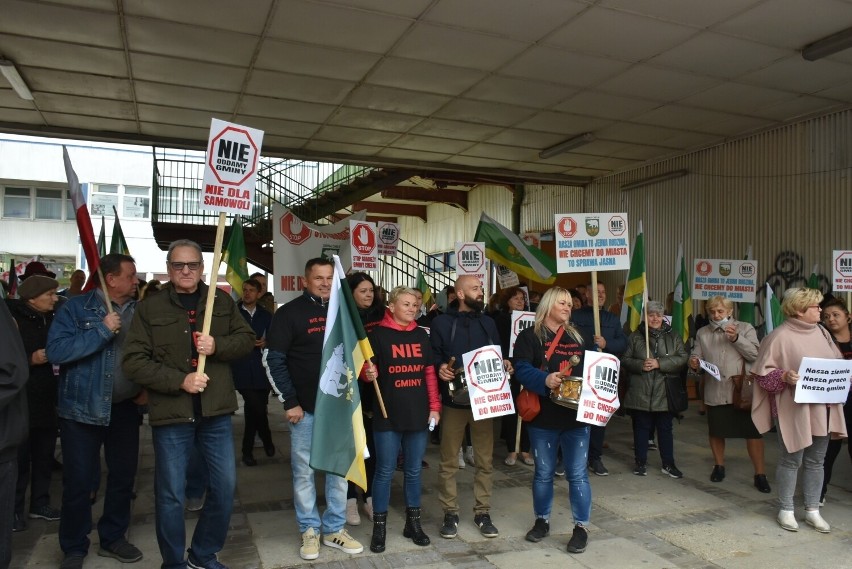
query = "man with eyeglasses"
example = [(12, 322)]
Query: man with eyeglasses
[(161, 354)]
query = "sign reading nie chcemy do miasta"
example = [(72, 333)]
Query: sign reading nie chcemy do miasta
[(230, 171)]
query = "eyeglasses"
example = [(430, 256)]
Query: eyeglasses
[(817, 306), (178, 266)]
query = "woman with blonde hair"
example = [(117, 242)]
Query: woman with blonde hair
[(544, 354), (803, 428), (729, 345)]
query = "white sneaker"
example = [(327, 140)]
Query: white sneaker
[(814, 519), (310, 545), (787, 520), (343, 541), (353, 518), (461, 459), (468, 456)]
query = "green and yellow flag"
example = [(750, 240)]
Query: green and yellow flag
[(682, 304), (635, 289), (339, 442), (234, 257), (504, 247), (421, 285), (118, 243)]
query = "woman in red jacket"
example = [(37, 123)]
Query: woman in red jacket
[(409, 387)]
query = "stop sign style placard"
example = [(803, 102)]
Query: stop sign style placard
[(362, 237), (388, 238), (488, 383), (230, 169), (841, 275), (470, 260)]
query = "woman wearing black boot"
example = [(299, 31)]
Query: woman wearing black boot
[(409, 387)]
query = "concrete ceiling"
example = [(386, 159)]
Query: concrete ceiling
[(459, 85)]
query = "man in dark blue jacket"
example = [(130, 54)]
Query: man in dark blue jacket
[(14, 372), (461, 329), (250, 375), (611, 340)]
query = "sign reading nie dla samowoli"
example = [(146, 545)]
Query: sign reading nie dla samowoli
[(230, 168)]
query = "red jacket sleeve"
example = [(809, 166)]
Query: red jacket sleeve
[(432, 388)]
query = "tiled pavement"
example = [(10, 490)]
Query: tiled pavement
[(648, 522)]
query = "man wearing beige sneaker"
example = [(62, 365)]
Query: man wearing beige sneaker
[(293, 363)]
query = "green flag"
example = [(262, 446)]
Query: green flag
[(682, 305), (339, 442), (234, 257), (118, 244), (813, 280), (635, 289), (421, 285), (772, 317), (504, 247), (746, 309), (102, 238)]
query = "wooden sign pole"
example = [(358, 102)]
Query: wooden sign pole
[(212, 278), (596, 305)]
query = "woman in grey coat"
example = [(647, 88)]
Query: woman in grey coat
[(646, 395)]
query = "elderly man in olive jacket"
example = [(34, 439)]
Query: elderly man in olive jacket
[(161, 354)]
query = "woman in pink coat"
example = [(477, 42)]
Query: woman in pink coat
[(803, 428)]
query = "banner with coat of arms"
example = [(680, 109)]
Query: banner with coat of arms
[(732, 278), (591, 242)]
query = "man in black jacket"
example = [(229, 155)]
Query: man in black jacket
[(14, 372), (611, 340), (461, 329), (293, 365)]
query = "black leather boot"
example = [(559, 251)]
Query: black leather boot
[(377, 543), (413, 529)]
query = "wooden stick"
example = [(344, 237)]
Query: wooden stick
[(645, 314), (104, 290), (212, 278), (375, 383), (596, 306)]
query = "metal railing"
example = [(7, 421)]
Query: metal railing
[(177, 185)]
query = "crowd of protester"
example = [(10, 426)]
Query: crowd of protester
[(89, 365)]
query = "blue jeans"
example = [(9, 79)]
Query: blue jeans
[(196, 474), (81, 454), (304, 484), (644, 423), (387, 449), (575, 456), (173, 446)]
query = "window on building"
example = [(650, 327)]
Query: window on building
[(16, 203), (103, 199), (137, 202), (48, 204)]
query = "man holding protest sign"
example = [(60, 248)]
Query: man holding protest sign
[(188, 408), (611, 340), (461, 329)]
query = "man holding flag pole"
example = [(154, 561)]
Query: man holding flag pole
[(294, 365)]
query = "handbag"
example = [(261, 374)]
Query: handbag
[(528, 403), (743, 389), (676, 395)]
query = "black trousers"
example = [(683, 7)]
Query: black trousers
[(256, 419), (35, 465)]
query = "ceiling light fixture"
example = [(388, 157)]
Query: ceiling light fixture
[(654, 180), (828, 45), (10, 72), (567, 145)]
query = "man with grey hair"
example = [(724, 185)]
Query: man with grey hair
[(610, 340), (189, 408)]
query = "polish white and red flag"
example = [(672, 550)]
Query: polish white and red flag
[(84, 222)]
